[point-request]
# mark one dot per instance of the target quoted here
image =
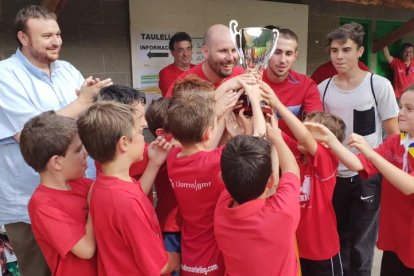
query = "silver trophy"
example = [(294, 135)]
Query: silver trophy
[(255, 45)]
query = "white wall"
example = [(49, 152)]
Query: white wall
[(195, 16)]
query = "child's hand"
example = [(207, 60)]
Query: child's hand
[(320, 132), (232, 125), (234, 84), (252, 91), (158, 150), (227, 101), (358, 142), (245, 122), (272, 130), (268, 94)]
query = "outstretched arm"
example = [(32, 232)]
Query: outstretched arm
[(400, 179), (324, 135), (387, 55), (300, 132)]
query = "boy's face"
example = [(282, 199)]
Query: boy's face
[(406, 115), (74, 162), (137, 142), (345, 56)]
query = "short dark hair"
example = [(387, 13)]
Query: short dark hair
[(29, 12), (272, 27), (246, 167), (121, 94), (335, 124), (102, 125), (189, 115), (156, 115), (178, 37), (406, 45), (288, 34), (44, 136), (352, 31)]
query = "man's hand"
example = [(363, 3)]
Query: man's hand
[(91, 87)]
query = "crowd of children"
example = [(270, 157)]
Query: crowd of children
[(235, 195)]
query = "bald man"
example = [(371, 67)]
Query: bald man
[(220, 58)]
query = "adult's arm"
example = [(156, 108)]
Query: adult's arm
[(387, 55)]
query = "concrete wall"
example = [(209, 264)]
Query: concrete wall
[(95, 36)]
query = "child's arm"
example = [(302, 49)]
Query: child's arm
[(287, 160), (173, 263), (400, 179), (323, 134), (259, 123), (300, 132), (157, 153), (86, 246)]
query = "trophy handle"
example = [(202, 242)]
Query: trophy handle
[(275, 39), (233, 34)]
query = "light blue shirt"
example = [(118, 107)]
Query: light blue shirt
[(26, 91)]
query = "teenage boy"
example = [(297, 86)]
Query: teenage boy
[(58, 208), (367, 104), (127, 231), (248, 216), (296, 91), (193, 172)]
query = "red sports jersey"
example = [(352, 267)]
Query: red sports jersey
[(298, 93), (396, 222), (167, 209), (258, 237), (58, 221), (127, 232), (327, 70), (317, 231), (196, 185), (168, 75), (198, 71), (403, 75)]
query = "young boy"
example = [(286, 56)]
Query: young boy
[(317, 236), (130, 96), (166, 208), (193, 172), (396, 225), (246, 218), (58, 208), (126, 227)]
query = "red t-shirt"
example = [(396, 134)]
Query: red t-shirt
[(167, 209), (196, 185), (402, 77), (317, 231), (127, 232), (258, 237), (327, 70), (136, 170), (58, 221), (168, 75), (298, 93), (396, 221), (198, 71)]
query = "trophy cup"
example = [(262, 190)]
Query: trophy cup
[(255, 46)]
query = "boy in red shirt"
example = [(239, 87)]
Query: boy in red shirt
[(58, 208), (317, 235), (193, 172), (166, 207), (126, 227), (248, 216)]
